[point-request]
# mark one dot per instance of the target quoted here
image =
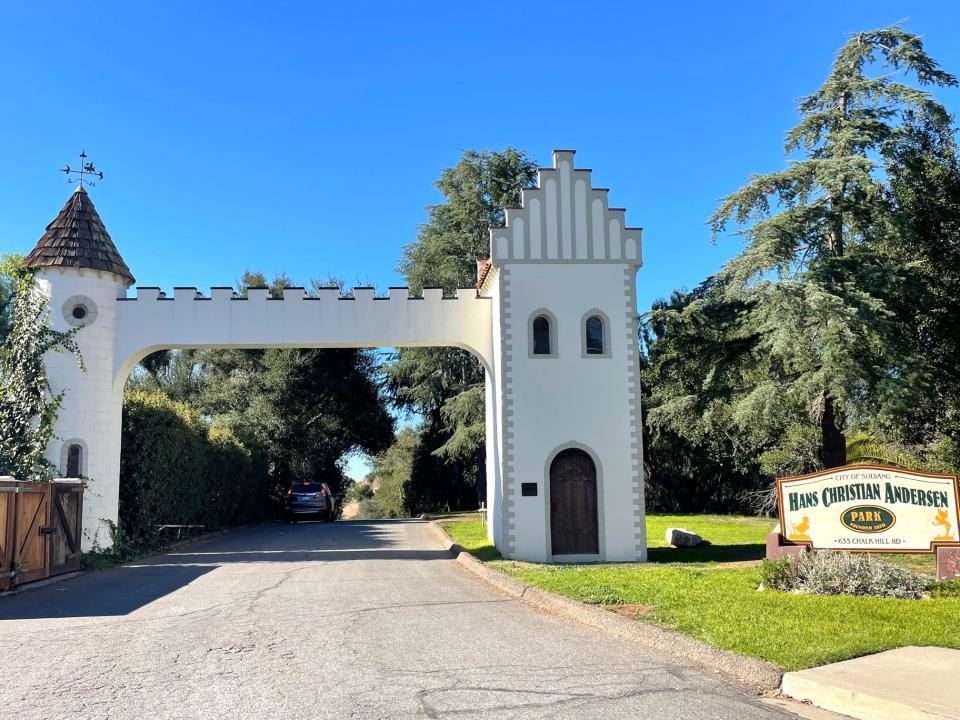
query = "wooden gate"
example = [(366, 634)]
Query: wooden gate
[(573, 504), (40, 525), (66, 519), (6, 534)]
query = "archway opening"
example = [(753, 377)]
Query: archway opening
[(269, 399)]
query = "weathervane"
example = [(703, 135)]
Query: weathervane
[(85, 174)]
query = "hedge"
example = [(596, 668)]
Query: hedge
[(176, 469)]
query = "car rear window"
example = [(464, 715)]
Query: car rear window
[(307, 488)]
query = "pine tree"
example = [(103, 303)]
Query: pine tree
[(821, 296), (925, 181), (445, 385)]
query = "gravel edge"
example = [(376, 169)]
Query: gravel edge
[(750, 673)]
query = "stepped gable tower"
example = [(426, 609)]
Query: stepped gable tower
[(567, 484)]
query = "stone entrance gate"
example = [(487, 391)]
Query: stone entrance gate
[(552, 319)]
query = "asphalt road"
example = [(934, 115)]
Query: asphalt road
[(346, 620)]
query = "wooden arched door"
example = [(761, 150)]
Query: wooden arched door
[(573, 504)]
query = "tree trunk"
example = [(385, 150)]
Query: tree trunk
[(834, 449), (481, 487), (835, 235)]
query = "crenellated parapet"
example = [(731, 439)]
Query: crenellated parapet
[(153, 320), (565, 219), (293, 294)]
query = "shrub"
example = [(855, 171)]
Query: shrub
[(946, 589), (823, 572), (369, 510), (602, 596), (778, 574), (176, 469), (359, 491), (393, 469)]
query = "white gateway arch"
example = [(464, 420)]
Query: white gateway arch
[(552, 319)]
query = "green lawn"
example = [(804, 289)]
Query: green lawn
[(472, 536), (711, 594), (732, 538)]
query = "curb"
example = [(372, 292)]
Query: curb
[(755, 675), (905, 683)]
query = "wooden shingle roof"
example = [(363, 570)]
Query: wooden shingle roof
[(77, 239)]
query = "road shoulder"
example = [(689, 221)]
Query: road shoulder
[(754, 675)]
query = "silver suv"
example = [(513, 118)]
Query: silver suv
[(305, 500)]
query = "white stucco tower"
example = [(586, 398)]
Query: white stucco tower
[(553, 320), (82, 273), (562, 276)]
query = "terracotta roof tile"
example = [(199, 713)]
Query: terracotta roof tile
[(483, 269)]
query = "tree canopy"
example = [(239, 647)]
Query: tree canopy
[(9, 264), (445, 385), (307, 409), (800, 337)]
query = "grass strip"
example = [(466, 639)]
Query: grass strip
[(711, 593)]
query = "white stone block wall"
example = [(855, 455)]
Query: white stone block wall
[(92, 408), (494, 397), (152, 320), (125, 330), (571, 400)]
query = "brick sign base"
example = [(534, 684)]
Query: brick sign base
[(778, 548), (948, 563)]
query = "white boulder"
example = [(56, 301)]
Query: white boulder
[(681, 537)]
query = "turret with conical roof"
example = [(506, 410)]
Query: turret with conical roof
[(83, 278), (77, 239)]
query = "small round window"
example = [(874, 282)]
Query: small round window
[(79, 311)]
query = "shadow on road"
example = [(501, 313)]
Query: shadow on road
[(121, 590)]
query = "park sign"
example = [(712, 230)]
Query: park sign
[(867, 508)]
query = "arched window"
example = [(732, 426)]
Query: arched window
[(73, 461), (595, 336), (543, 334)]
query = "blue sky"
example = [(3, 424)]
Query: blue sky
[(290, 137), (283, 136)]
